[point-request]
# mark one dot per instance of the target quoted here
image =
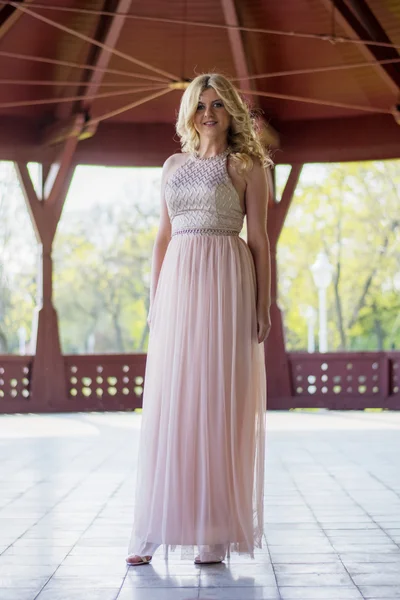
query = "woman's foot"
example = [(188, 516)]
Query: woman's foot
[(206, 562), (216, 554), (135, 560)]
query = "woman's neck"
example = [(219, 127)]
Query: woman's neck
[(211, 148)]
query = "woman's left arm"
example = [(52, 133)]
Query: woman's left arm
[(257, 240)]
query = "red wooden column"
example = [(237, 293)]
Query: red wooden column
[(279, 386), (48, 381)]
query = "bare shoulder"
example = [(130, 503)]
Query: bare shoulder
[(175, 160), (256, 171), (173, 163)]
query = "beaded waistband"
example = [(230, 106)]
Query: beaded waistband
[(206, 231)]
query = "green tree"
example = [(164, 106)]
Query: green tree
[(351, 212), (105, 253), (17, 262)]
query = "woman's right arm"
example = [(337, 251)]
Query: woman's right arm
[(163, 234)]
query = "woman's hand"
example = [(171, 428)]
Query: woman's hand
[(263, 324)]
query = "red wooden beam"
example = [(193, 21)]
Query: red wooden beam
[(279, 383), (361, 23), (371, 137), (280, 209), (108, 32), (236, 43), (9, 15), (48, 384)]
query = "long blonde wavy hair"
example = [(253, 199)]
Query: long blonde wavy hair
[(243, 136)]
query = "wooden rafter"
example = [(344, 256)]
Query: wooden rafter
[(85, 38), (106, 35), (9, 15), (236, 43), (108, 32), (360, 22)]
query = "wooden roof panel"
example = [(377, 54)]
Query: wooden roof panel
[(186, 49)]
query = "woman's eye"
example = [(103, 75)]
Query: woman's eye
[(216, 105)]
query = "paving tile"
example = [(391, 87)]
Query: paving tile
[(313, 580), (240, 593), (239, 570), (380, 591), (40, 544), (102, 560), (302, 549), (23, 571), (155, 594), (19, 593), (328, 503), (168, 581), (318, 593), (227, 580), (82, 571), (371, 548), (108, 550), (378, 578), (358, 568), (349, 529), (83, 583), (298, 558), (312, 568), (78, 594), (373, 557), (34, 583)]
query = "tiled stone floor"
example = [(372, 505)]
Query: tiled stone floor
[(332, 513)]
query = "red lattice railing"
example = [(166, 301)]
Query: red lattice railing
[(345, 380), (115, 382), (394, 372), (105, 382), (15, 377)]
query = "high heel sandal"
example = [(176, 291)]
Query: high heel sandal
[(212, 557), (144, 560)]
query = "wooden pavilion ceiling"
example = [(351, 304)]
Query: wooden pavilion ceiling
[(325, 73)]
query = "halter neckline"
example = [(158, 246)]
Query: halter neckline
[(219, 155)]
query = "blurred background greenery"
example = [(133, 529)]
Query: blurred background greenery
[(103, 245)]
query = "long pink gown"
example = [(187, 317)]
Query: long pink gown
[(200, 475)]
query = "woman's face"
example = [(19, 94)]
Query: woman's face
[(211, 118)]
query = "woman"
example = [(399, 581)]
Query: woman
[(201, 457)]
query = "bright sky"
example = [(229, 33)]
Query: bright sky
[(97, 185)]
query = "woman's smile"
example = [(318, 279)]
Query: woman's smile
[(209, 107)]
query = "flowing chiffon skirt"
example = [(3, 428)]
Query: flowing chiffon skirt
[(200, 475)]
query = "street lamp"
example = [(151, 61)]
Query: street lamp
[(322, 273), (22, 340), (311, 316)]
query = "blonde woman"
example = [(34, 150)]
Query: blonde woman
[(201, 456)]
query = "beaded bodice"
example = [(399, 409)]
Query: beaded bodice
[(200, 195)]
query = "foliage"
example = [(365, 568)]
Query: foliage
[(103, 246), (351, 211), (103, 254), (18, 256)]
